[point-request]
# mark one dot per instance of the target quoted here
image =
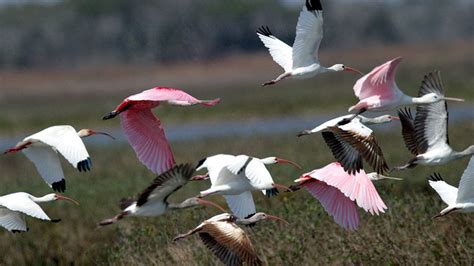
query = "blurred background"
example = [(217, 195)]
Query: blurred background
[(72, 61)]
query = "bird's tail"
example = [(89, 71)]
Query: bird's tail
[(210, 102)]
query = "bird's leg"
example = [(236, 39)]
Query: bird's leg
[(304, 132), (443, 214), (200, 177), (348, 120), (293, 188), (20, 146), (285, 188), (282, 76), (190, 232), (410, 164), (113, 220)]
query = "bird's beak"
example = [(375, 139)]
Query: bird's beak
[(395, 118), (452, 99), (103, 133), (271, 217), (279, 160), (59, 197), (390, 177), (353, 70), (210, 203)]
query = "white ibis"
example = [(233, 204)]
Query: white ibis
[(153, 200), (458, 199), (337, 191), (41, 148), (301, 60), (377, 91), (16, 206), (350, 141), (426, 136), (228, 241), (144, 131), (236, 176)]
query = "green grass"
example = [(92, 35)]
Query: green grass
[(406, 234)]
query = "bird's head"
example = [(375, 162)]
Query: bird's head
[(275, 160), (260, 216), (83, 133), (54, 197), (342, 67), (434, 98)]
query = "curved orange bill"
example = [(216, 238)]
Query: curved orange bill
[(271, 217), (59, 197), (106, 134), (210, 203), (353, 70), (279, 160)]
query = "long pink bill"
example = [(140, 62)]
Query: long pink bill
[(279, 160), (210, 203), (59, 197), (271, 217), (353, 70)]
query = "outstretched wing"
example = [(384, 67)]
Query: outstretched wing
[(408, 130), (166, 183), (21, 203), (147, 138), (47, 163), (12, 220), (229, 243), (241, 205), (447, 192), (344, 153), (309, 33), (174, 96), (466, 185), (431, 121), (380, 81), (280, 51)]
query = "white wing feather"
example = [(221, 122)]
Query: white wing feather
[(447, 192), (12, 220), (309, 33), (241, 205), (466, 185), (47, 163), (280, 51), (21, 203)]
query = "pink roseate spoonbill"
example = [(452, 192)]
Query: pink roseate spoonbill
[(144, 131), (458, 200), (153, 201), (235, 177), (41, 148), (427, 135), (16, 206), (350, 141), (227, 240), (301, 61), (337, 191), (377, 91)]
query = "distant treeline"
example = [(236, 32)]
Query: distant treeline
[(81, 32)]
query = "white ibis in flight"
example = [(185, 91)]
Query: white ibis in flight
[(227, 240), (41, 148), (16, 206), (153, 201), (377, 91), (144, 131), (458, 199), (301, 60), (426, 136), (350, 141), (236, 176), (339, 192)]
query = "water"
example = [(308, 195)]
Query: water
[(251, 127)]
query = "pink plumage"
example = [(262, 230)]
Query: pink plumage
[(337, 190), (377, 89), (144, 131)]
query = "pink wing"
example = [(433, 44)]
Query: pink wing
[(379, 82), (356, 187), (147, 138), (169, 94), (335, 203)]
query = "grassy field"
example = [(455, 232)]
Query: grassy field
[(404, 234)]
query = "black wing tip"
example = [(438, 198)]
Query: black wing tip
[(271, 192), (201, 162), (59, 186), (312, 5), (84, 165), (435, 177), (432, 83), (20, 231), (265, 30), (405, 113), (55, 220)]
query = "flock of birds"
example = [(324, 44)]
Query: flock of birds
[(339, 186)]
